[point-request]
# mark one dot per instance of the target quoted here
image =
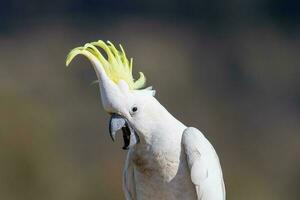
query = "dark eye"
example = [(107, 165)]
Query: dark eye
[(134, 109)]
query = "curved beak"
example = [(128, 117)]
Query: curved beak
[(116, 123)]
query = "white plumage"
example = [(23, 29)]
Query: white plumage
[(166, 160), (171, 161)]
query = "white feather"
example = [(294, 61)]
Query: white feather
[(206, 173)]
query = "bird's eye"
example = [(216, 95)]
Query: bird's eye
[(134, 109)]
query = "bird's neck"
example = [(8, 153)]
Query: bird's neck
[(163, 129), (159, 146)]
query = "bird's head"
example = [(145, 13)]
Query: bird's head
[(122, 96)]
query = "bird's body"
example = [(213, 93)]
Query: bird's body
[(159, 163), (166, 160), (162, 175)]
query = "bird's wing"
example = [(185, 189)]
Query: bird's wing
[(128, 179), (204, 165)]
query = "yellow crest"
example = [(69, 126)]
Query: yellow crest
[(116, 66)]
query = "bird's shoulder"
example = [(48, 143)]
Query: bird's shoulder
[(204, 164), (194, 139), (201, 156)]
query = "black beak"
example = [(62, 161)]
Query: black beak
[(118, 122)]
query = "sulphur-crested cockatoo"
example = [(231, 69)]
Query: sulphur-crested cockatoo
[(165, 159)]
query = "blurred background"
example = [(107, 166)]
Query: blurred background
[(230, 68)]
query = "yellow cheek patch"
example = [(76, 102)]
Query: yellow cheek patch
[(116, 65)]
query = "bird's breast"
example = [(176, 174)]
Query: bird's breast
[(162, 175), (161, 164)]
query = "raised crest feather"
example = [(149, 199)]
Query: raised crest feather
[(115, 63)]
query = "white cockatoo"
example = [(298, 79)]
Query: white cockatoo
[(166, 160)]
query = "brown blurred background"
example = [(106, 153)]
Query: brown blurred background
[(230, 68)]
